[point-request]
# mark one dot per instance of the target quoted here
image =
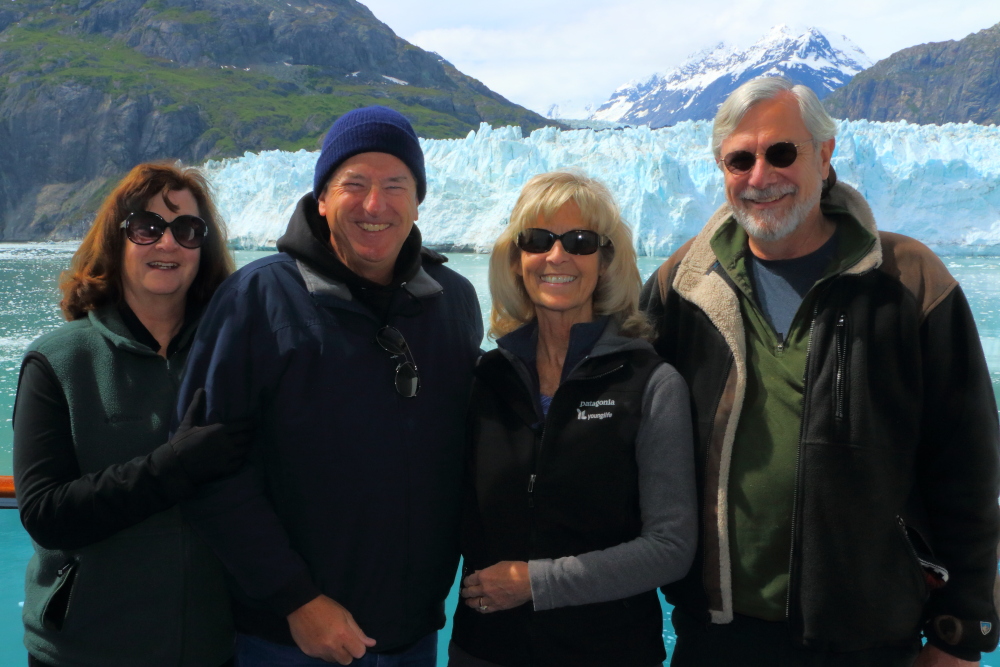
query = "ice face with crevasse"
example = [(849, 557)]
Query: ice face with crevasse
[(939, 184)]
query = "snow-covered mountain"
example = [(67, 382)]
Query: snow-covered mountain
[(695, 89), (914, 176)]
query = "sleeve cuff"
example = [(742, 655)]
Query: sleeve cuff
[(961, 652), (295, 593), (538, 577)]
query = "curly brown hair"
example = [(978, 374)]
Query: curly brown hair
[(94, 277)]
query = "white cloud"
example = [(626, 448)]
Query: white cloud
[(540, 52)]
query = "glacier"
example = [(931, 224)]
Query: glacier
[(939, 184)]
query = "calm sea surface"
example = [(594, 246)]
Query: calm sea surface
[(28, 308)]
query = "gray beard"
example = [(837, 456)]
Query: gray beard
[(772, 225)]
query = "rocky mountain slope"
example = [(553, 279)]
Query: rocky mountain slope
[(695, 89), (942, 82), (89, 88)]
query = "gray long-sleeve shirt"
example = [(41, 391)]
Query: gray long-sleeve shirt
[(665, 549)]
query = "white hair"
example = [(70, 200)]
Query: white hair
[(819, 123)]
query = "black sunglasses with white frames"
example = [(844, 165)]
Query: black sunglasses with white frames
[(146, 228), (575, 242), (780, 155), (407, 379)]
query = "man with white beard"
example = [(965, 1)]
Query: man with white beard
[(846, 429)]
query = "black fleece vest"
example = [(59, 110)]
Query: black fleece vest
[(561, 487)]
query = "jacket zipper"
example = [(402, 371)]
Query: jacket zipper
[(541, 441), (798, 459), (841, 376), (798, 453), (534, 472), (921, 563), (906, 538), (69, 570), (533, 529)]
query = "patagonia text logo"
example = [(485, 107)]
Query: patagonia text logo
[(597, 404), (582, 414)]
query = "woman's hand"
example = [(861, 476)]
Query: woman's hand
[(501, 586), (212, 451)]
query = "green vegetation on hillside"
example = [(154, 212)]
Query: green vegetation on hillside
[(89, 88), (242, 107)]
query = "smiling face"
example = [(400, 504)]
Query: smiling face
[(163, 270), (771, 203), (370, 204), (559, 284)]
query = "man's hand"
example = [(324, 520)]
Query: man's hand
[(932, 656), (324, 629), (501, 586)]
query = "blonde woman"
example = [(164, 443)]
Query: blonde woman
[(581, 497)]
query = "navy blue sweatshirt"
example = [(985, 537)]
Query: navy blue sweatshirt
[(352, 490)]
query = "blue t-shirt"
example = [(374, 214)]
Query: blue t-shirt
[(779, 285)]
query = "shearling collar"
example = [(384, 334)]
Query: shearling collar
[(700, 259)]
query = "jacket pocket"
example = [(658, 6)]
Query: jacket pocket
[(840, 379), (55, 610), (914, 558)]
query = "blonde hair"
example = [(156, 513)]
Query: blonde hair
[(617, 291)]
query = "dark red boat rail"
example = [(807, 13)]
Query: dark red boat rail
[(7, 499)]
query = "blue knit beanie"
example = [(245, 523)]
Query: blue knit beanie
[(374, 129)]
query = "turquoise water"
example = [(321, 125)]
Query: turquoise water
[(29, 308)]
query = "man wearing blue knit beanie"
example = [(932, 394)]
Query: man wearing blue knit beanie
[(352, 349)]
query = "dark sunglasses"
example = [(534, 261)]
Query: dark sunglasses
[(407, 379), (146, 228), (575, 242), (780, 155)]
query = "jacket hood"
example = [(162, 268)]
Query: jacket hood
[(307, 239)]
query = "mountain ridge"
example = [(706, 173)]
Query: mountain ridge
[(90, 88), (955, 81), (694, 89)]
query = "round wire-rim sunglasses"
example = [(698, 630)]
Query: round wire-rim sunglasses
[(780, 155)]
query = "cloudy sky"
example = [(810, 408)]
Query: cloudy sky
[(573, 53)]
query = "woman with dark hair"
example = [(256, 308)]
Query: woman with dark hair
[(118, 578), (581, 491)]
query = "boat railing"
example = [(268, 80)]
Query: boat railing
[(7, 499)]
